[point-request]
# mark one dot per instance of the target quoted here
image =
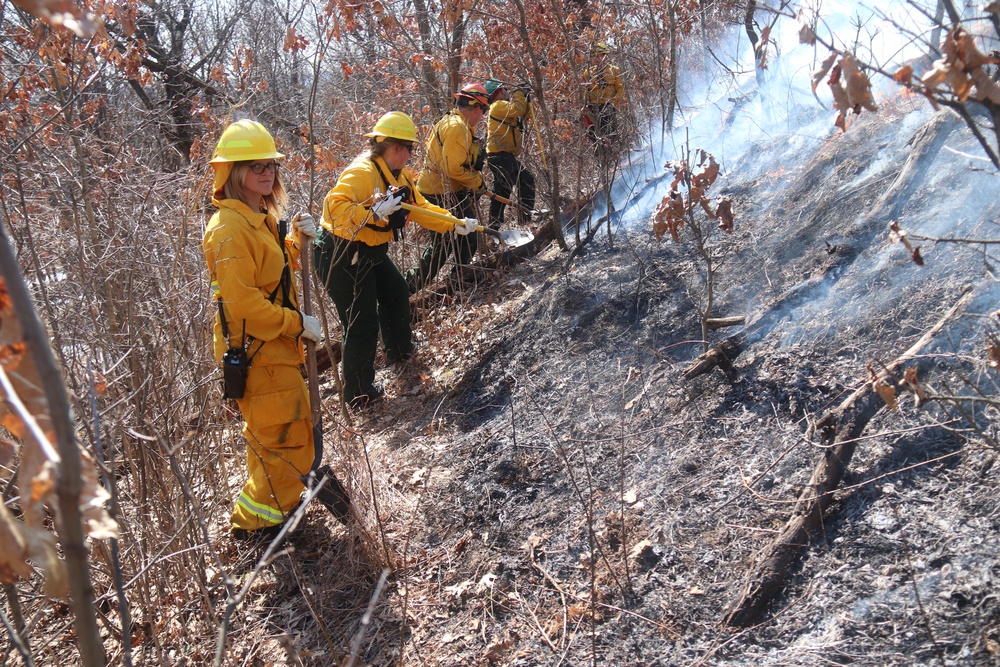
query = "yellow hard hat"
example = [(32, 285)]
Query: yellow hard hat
[(600, 48), (244, 140), (394, 125)]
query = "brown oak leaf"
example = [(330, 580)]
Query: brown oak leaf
[(707, 174), (807, 35), (824, 68), (910, 377), (857, 86), (62, 14), (904, 75), (724, 213), (886, 392), (993, 354), (840, 100)]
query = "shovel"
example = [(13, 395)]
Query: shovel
[(509, 238), (504, 200), (333, 495), (517, 205)]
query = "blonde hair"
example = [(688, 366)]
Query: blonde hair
[(275, 203)]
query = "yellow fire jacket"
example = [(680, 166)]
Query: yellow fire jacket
[(451, 154), (506, 124), (604, 84), (347, 207), (245, 263)]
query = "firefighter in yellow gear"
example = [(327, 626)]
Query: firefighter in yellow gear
[(361, 215), (257, 317), (504, 141), (451, 180), (605, 92)]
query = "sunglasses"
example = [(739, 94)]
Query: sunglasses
[(408, 147), (261, 168)]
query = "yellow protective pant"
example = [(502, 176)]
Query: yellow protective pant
[(280, 448)]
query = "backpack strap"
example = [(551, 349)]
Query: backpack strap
[(503, 121), (385, 182)]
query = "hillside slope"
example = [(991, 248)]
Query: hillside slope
[(561, 496)]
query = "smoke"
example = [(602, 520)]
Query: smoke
[(765, 126), (756, 121)]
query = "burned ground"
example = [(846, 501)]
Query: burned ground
[(551, 491)]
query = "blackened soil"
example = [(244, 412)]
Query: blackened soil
[(556, 494)]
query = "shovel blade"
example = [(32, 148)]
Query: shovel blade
[(515, 238)]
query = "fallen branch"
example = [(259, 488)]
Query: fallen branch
[(713, 323), (839, 430), (725, 352)]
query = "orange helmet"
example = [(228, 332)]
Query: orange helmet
[(475, 93)]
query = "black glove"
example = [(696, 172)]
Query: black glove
[(397, 219), (480, 161), (402, 190)]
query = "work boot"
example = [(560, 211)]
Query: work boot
[(363, 400), (333, 495), (462, 277), (394, 358)]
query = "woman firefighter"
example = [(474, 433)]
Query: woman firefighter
[(258, 326), (360, 216)]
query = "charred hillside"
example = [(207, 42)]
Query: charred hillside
[(734, 404), (580, 500)]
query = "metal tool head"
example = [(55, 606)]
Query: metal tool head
[(510, 238), (515, 238)]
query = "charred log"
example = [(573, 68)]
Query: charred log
[(328, 356), (838, 431), (721, 355), (725, 353), (714, 323)]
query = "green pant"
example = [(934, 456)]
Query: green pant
[(462, 204), (371, 296)]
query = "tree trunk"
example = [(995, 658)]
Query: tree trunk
[(748, 23), (672, 83), (429, 81), (455, 45)]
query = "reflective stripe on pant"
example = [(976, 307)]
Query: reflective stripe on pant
[(508, 172), (461, 204), (280, 448), (371, 296)]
